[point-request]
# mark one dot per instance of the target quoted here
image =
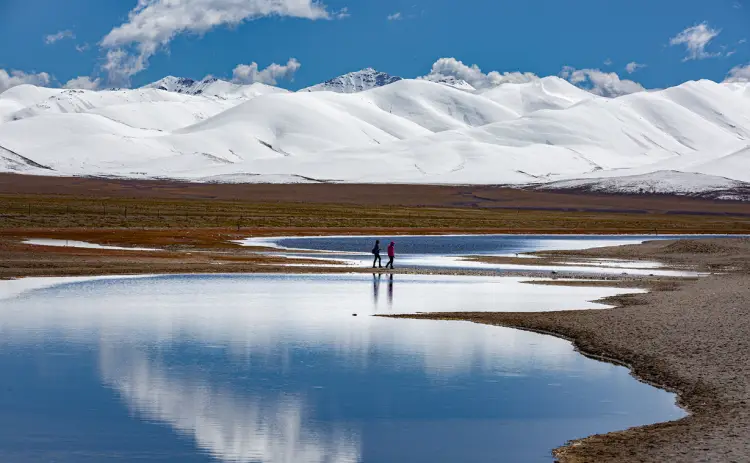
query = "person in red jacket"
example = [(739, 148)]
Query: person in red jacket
[(391, 254)]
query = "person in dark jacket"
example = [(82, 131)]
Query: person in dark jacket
[(391, 254), (376, 253)]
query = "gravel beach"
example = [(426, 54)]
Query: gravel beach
[(692, 337)]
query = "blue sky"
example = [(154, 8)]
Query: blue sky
[(346, 35)]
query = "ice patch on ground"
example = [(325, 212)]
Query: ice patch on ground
[(80, 244)]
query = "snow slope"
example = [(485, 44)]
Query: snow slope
[(162, 115), (662, 181), (546, 93), (18, 98), (411, 131), (736, 163), (437, 107)]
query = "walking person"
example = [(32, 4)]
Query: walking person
[(391, 254), (376, 253)]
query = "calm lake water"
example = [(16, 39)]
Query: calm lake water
[(447, 245), (446, 252), (276, 369)]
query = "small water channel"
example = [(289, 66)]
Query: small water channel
[(449, 251), (275, 368)]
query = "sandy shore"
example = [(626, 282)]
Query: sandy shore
[(691, 337)]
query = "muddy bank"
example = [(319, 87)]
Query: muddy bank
[(692, 337)]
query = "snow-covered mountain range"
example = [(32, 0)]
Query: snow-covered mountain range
[(372, 127)]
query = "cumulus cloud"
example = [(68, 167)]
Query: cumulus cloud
[(453, 68), (249, 73), (152, 24), (607, 84), (608, 62), (632, 66), (395, 16), (739, 74), (83, 47), (10, 79), (83, 83), (696, 39), (53, 38)]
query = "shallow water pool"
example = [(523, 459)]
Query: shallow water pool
[(449, 251), (275, 368)]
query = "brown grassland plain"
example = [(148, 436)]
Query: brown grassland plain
[(185, 217)]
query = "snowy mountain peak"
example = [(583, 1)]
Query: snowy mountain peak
[(355, 82), (451, 81), (174, 84), (185, 85), (211, 87)]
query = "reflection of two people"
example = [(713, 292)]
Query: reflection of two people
[(376, 277), (390, 289)]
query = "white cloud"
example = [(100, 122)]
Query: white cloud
[(52, 38), (395, 16), (83, 47), (607, 84), (83, 83), (741, 41), (632, 66), (696, 39), (120, 66), (343, 13), (608, 62), (152, 24), (739, 74), (451, 67), (249, 73), (10, 79)]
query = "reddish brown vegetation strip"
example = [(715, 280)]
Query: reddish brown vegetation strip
[(81, 203), (363, 195)]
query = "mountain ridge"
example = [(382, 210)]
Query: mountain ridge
[(405, 131)]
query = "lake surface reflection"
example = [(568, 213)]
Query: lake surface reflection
[(276, 369)]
